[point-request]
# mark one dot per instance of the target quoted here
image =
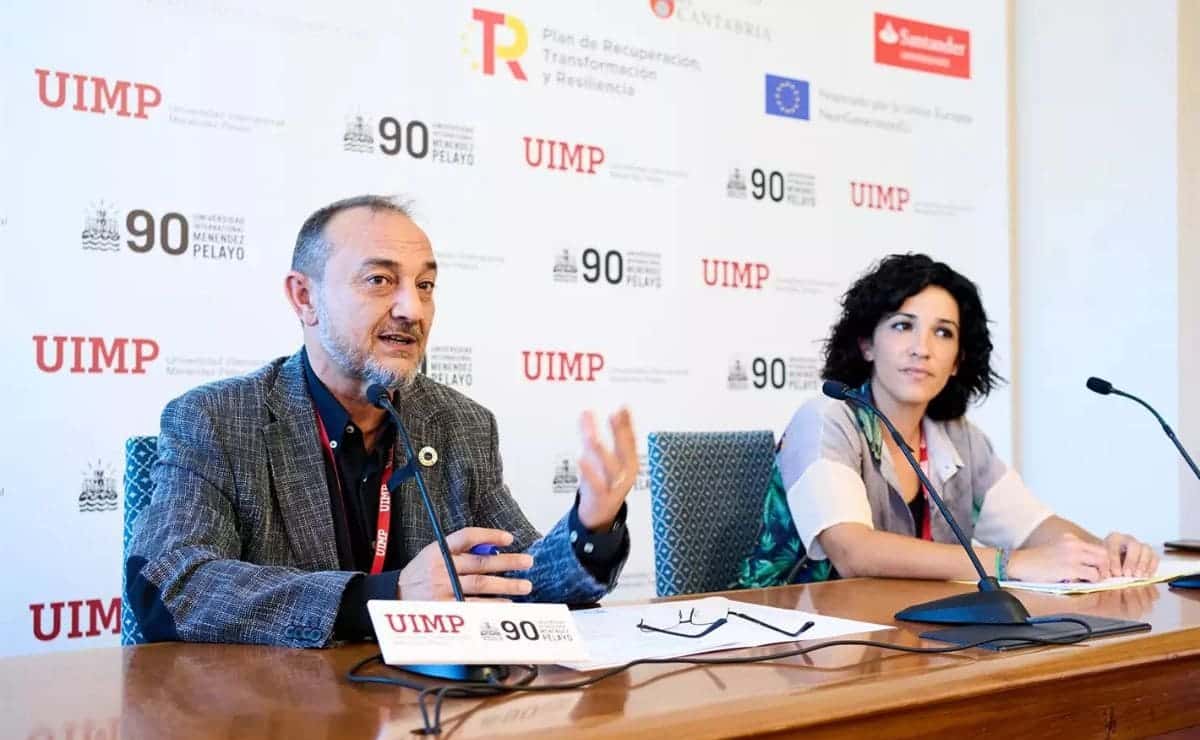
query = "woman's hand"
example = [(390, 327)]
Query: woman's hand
[(1067, 558), (1129, 557)]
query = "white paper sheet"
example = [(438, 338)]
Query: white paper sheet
[(613, 638), (1168, 568)]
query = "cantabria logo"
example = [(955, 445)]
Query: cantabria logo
[(94, 94), (510, 53), (903, 42)]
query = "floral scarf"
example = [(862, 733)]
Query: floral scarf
[(778, 557)]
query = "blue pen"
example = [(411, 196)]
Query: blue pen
[(485, 550)]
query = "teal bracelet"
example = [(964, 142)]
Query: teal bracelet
[(1002, 564)]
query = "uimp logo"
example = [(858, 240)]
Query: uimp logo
[(903, 42), (120, 355), (101, 616), (446, 624), (552, 154), (663, 8), (93, 94), (511, 52), (560, 366), (734, 274), (878, 196)]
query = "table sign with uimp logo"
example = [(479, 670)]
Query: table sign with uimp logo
[(475, 632)]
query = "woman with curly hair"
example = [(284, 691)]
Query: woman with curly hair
[(913, 336)]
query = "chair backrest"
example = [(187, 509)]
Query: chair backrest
[(140, 456), (706, 496)]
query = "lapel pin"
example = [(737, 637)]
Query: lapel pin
[(427, 457)]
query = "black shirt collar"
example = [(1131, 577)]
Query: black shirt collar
[(333, 415)]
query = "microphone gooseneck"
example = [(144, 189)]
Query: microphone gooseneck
[(991, 604), (378, 396), (1104, 388), (842, 392)]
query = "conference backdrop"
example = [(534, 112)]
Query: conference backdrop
[(655, 204)]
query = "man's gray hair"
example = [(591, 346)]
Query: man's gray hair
[(312, 248)]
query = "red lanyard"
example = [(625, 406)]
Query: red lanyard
[(383, 526), (926, 530)]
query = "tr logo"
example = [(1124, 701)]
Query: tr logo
[(509, 53)]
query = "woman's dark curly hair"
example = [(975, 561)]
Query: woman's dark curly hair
[(880, 292)]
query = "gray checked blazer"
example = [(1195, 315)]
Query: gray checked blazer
[(237, 543)]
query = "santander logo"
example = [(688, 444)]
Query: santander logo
[(903, 42)]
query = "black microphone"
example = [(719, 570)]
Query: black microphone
[(1105, 388), (378, 396), (991, 604)]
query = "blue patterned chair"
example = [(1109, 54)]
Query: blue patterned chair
[(706, 498), (140, 455)]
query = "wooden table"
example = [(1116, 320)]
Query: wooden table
[(1133, 685)]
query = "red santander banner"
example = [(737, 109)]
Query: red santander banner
[(903, 42)]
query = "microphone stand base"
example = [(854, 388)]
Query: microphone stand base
[(1185, 582), (977, 607), (459, 673)]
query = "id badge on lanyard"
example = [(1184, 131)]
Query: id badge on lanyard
[(383, 523), (926, 529)]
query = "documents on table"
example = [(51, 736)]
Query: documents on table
[(613, 638), (1168, 568)]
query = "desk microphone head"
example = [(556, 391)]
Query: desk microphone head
[(377, 393), (1104, 388), (836, 390)]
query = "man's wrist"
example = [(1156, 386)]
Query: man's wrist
[(594, 521), (596, 545), (353, 622)]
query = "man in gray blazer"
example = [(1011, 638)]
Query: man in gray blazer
[(272, 518)]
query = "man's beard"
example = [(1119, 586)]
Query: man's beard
[(354, 362)]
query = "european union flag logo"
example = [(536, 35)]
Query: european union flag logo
[(787, 97)]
